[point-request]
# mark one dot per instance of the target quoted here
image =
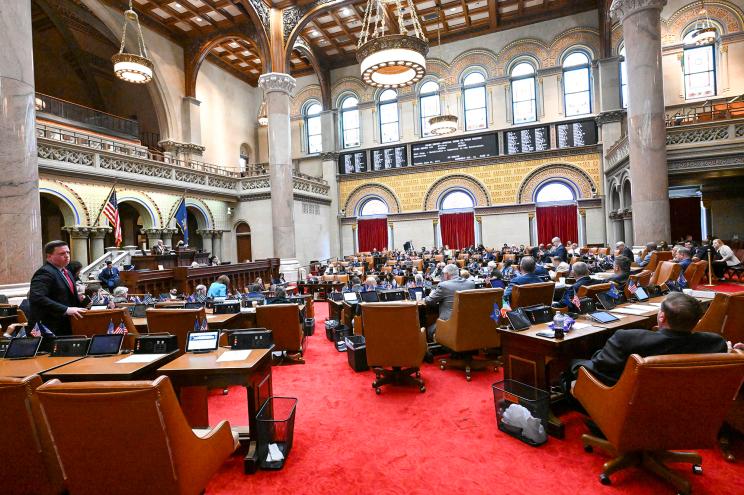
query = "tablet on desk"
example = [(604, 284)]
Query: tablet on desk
[(641, 295), (412, 291), (602, 317), (606, 300), (105, 345), (350, 297), (22, 347), (369, 296), (518, 320), (202, 341)]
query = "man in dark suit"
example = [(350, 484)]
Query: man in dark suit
[(677, 317), (683, 257), (558, 250), (109, 276), (622, 250), (622, 271), (527, 267), (158, 249), (52, 296), (583, 278), (444, 294)]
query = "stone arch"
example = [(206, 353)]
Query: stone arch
[(147, 211), (322, 74), (69, 202), (479, 58), (569, 174), (532, 47), (728, 16), (473, 186), (65, 205), (615, 201), (354, 85), (358, 195), (626, 198), (310, 92), (196, 55), (579, 37), (437, 68)]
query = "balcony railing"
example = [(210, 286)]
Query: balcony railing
[(708, 111), (89, 117)]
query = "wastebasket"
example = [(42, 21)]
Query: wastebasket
[(308, 327), (508, 393), (356, 351), (275, 431)]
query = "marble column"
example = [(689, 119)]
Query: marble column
[(628, 227), (97, 236), (646, 127), (206, 236), (153, 236), (78, 243), (278, 90), (167, 236), (20, 216), (217, 244)]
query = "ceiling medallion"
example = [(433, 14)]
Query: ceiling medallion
[(131, 67), (391, 60)]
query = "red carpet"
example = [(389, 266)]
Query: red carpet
[(723, 287), (350, 440)]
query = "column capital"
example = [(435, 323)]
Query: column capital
[(329, 156), (277, 81), (99, 232), (622, 9), (77, 231), (609, 117), (151, 231), (206, 233)]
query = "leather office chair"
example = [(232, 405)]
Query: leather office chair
[(97, 322), (656, 258), (651, 409), (96, 448), (725, 316), (344, 279), (530, 294), (603, 251), (470, 328), (593, 290), (396, 344), (284, 322), (178, 322), (25, 440), (695, 273), (400, 280), (665, 271)]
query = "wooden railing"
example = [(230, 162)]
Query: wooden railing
[(88, 117)]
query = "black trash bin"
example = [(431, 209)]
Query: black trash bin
[(535, 400), (275, 431), (356, 351), (308, 327)]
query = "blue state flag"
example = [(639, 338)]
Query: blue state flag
[(613, 293), (182, 221), (496, 314)]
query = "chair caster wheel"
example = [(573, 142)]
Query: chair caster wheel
[(697, 469), (418, 374), (378, 390), (588, 449), (468, 377), (604, 479), (422, 389), (442, 367), (225, 391)]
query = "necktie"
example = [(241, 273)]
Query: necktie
[(70, 283)]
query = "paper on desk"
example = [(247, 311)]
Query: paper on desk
[(234, 356), (658, 305), (579, 326), (139, 358), (627, 311), (641, 307)]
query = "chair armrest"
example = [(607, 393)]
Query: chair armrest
[(205, 456), (220, 433)]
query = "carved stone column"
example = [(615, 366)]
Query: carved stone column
[(217, 244), (97, 236), (329, 161), (167, 236), (627, 217), (190, 110), (646, 126), (20, 216), (78, 243), (278, 89), (153, 236), (206, 236)]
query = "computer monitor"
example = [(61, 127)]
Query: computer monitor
[(606, 300), (22, 347), (369, 296), (392, 295), (105, 345), (518, 320), (350, 297), (336, 296), (412, 291), (602, 317), (202, 341)]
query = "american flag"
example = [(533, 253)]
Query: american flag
[(148, 299), (204, 325), (632, 287), (111, 328), (111, 212), (576, 301), (505, 308), (200, 298), (121, 329), (36, 332), (94, 300), (197, 325)]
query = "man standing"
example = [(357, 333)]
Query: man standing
[(158, 249), (444, 294), (52, 296), (558, 250), (109, 276)]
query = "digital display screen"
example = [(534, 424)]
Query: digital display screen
[(22, 347), (387, 158), (572, 134), (202, 341), (457, 149), (103, 345), (351, 163), (527, 140)]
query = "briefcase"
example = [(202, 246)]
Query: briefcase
[(155, 343), (539, 313), (256, 338)]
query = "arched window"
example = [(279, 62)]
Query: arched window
[(554, 192), (350, 122), (313, 134), (524, 107), (577, 88), (388, 110), (456, 200), (699, 64), (623, 78), (428, 105), (372, 207), (474, 101)]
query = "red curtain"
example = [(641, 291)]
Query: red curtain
[(458, 230), (685, 215), (373, 234), (557, 221)]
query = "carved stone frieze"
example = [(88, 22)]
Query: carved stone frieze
[(608, 117), (621, 9), (65, 155), (698, 135), (277, 81)]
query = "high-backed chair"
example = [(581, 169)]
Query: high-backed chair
[(695, 273), (650, 410), (725, 316), (470, 328), (656, 258), (396, 344), (593, 290), (400, 280), (97, 322), (605, 251), (178, 322), (284, 322), (530, 294), (97, 446), (25, 441), (666, 271), (342, 278)]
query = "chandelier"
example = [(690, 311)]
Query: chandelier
[(704, 32), (440, 125), (390, 60), (263, 117), (130, 67)]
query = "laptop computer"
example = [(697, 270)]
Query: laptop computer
[(138, 310), (202, 341), (105, 345), (351, 297), (606, 300), (640, 295), (369, 296), (412, 291), (518, 320), (22, 347), (336, 296)]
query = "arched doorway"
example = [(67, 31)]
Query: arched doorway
[(556, 212), (372, 225), (52, 221), (243, 238), (195, 221), (457, 219)]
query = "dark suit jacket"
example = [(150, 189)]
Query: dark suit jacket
[(608, 363), (527, 278), (49, 297), (109, 277), (621, 279), (559, 252), (628, 253)]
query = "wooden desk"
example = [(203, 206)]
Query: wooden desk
[(334, 309), (193, 375), (107, 368), (20, 368), (5, 321), (245, 319)]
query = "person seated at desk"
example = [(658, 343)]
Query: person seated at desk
[(254, 292), (109, 276), (354, 285), (683, 257), (508, 271), (583, 279), (443, 295), (280, 297), (621, 268), (701, 252), (622, 250), (121, 295), (200, 290), (279, 280), (527, 267), (158, 249), (650, 249), (496, 279), (370, 284), (678, 315), (218, 288)]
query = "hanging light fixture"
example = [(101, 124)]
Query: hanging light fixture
[(440, 125), (390, 60), (704, 32), (263, 117), (130, 67)]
